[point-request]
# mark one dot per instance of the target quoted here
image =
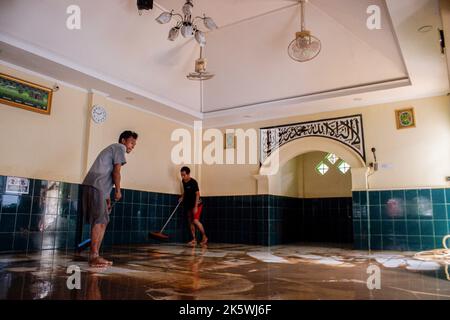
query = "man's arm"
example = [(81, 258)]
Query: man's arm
[(197, 199), (116, 180)]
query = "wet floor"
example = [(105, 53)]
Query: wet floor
[(226, 272)]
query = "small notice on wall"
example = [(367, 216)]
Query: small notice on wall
[(17, 185)]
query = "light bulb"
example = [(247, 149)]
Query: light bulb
[(209, 23), (187, 30), (164, 17)]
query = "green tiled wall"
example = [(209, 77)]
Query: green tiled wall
[(415, 219)]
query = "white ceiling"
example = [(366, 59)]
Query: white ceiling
[(126, 55), (228, 12), (252, 64), (114, 44)]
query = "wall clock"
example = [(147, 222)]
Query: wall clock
[(98, 114)]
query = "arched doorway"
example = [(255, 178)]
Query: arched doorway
[(315, 222), (305, 145)]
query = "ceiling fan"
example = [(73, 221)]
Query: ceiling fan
[(305, 46)]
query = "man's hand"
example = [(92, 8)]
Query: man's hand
[(108, 205), (180, 199), (117, 195)]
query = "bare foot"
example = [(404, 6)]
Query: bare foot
[(192, 243), (97, 261), (108, 262), (204, 241)]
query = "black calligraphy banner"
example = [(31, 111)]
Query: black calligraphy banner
[(346, 130)]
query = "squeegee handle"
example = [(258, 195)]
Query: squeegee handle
[(170, 218)]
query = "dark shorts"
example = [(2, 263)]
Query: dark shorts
[(94, 206), (196, 216)]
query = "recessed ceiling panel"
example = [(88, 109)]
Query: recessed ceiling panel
[(252, 64)]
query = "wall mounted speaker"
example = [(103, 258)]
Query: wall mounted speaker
[(145, 5), (442, 41)]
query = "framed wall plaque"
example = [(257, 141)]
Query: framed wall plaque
[(405, 118), (230, 140), (26, 95)]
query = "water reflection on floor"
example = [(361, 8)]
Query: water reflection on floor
[(224, 272)]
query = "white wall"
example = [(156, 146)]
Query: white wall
[(63, 145), (299, 178), (332, 184), (40, 146), (286, 182), (412, 158)]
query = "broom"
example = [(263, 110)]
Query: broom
[(160, 235)]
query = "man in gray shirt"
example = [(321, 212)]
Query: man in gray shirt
[(96, 190)]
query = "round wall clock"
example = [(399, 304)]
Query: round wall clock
[(98, 114)]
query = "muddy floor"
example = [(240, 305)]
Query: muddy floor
[(226, 272)]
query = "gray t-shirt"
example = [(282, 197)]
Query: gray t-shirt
[(100, 174)]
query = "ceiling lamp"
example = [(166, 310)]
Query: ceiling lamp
[(200, 73), (186, 24), (305, 46)]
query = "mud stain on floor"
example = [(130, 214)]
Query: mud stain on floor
[(224, 272)]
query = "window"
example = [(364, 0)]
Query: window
[(332, 158), (322, 168), (344, 167)]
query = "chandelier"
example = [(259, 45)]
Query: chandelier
[(305, 46), (186, 24)]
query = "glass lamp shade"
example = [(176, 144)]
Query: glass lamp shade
[(209, 23), (173, 33), (200, 37), (164, 17), (187, 30), (305, 47)]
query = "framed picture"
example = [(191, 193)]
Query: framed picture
[(230, 140), (405, 118), (26, 95)]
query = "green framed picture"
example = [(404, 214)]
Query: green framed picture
[(26, 95), (405, 118)]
